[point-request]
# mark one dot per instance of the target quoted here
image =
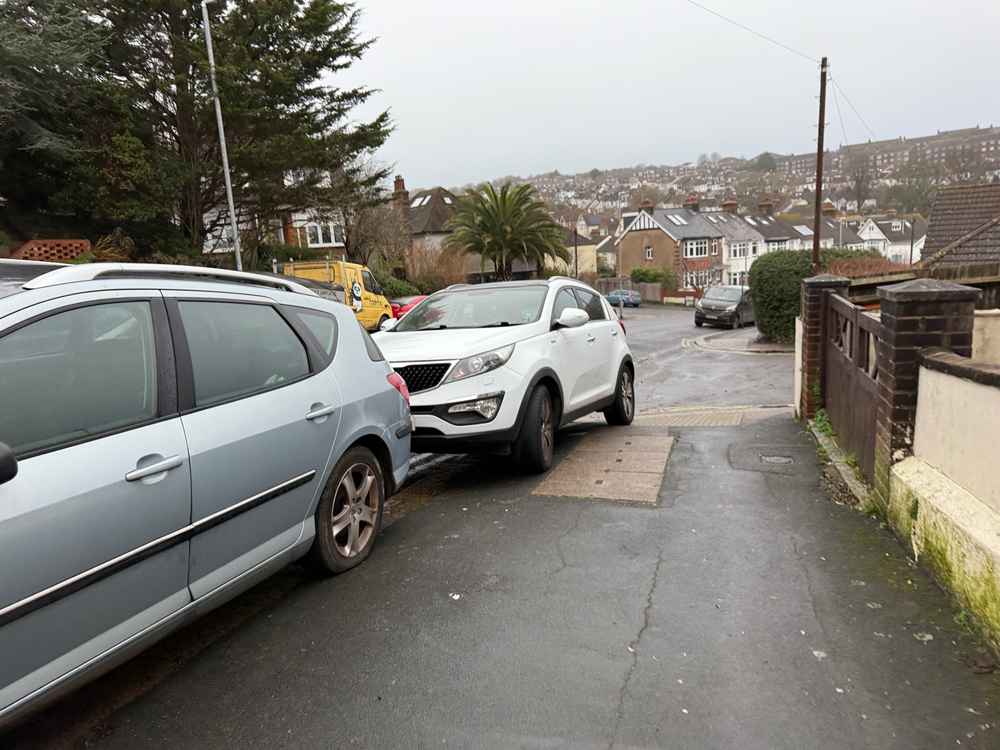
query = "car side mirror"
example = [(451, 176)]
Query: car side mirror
[(8, 463), (388, 325), (572, 317)]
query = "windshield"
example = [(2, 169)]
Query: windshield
[(724, 294), (477, 308)]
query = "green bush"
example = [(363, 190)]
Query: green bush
[(776, 283), (393, 287), (664, 276)]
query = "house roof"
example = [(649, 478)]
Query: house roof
[(592, 220), (685, 224), (963, 223), (897, 231), (580, 239), (430, 211), (733, 227), (842, 234), (771, 228)]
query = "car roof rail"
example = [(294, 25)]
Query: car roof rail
[(455, 286), (93, 271)]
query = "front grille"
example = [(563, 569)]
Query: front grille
[(423, 377)]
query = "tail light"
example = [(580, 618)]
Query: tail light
[(397, 382)]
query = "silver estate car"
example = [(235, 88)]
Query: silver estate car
[(168, 437)]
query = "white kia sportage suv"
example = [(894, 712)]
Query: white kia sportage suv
[(500, 367)]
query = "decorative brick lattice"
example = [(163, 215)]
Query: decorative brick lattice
[(54, 251)]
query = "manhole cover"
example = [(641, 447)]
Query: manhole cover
[(780, 460)]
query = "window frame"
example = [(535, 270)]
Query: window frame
[(693, 247), (316, 359), (163, 351), (555, 299), (577, 292)]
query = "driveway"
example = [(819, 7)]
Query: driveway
[(740, 608)]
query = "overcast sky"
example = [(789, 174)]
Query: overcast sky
[(479, 89)]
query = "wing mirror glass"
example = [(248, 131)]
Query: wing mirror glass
[(572, 317), (8, 464)]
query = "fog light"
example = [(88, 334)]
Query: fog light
[(486, 407)]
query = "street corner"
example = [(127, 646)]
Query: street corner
[(741, 341)]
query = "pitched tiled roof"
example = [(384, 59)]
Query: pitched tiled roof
[(898, 230), (733, 227), (963, 225), (684, 224), (580, 239), (771, 228), (430, 211), (843, 235)]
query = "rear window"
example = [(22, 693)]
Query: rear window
[(14, 275), (374, 353)]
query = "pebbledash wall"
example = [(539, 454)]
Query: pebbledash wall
[(936, 476)]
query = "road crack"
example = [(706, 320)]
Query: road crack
[(559, 540), (633, 649)]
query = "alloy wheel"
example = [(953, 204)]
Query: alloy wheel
[(628, 393), (547, 430), (355, 510)]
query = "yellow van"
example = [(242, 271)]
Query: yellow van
[(362, 292)]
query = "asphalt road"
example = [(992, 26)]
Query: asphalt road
[(744, 609), (670, 375)]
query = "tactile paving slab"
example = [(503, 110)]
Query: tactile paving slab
[(615, 464)]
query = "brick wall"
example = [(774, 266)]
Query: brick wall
[(54, 251), (632, 251)]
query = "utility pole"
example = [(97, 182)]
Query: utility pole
[(913, 225), (576, 255), (819, 165), (222, 136)]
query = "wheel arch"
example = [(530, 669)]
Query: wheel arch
[(548, 378)]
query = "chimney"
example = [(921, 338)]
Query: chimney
[(692, 203), (765, 206), (730, 206), (401, 196), (828, 208), (648, 206)]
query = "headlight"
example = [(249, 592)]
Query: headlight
[(480, 363)]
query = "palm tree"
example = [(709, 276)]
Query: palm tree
[(506, 225)]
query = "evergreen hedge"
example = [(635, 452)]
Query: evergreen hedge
[(776, 283)]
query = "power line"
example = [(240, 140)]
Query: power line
[(840, 115), (765, 37), (862, 119)]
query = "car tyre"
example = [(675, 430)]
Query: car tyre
[(349, 515), (737, 322), (622, 410), (699, 323), (534, 447)]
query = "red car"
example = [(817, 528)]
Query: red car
[(403, 305)]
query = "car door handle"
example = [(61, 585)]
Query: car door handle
[(591, 339), (614, 333), (319, 411), (152, 469)]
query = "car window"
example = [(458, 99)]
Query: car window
[(564, 301), (76, 374), (323, 327), (370, 284), (374, 353), (477, 307), (237, 349), (591, 303), (724, 294)]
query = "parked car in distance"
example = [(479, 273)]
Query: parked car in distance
[(625, 297), (364, 294), (500, 367), (170, 436), (724, 305), (403, 305)]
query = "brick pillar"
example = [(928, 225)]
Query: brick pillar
[(813, 314), (915, 315)]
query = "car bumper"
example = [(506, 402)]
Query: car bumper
[(714, 316), (437, 430)]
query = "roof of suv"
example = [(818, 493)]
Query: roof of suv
[(515, 284)]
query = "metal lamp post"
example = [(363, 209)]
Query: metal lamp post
[(222, 136)]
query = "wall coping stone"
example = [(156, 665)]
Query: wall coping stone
[(826, 280), (946, 361), (927, 290)]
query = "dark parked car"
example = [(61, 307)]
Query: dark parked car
[(626, 297), (724, 305)]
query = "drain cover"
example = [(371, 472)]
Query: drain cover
[(780, 460)]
